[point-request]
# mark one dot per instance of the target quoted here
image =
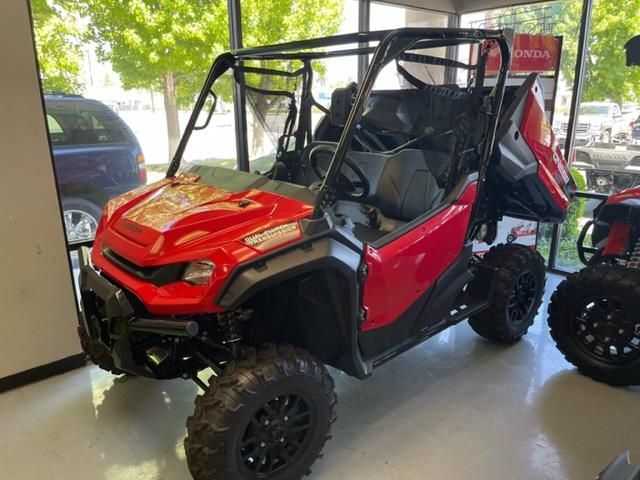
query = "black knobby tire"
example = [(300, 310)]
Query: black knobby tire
[(519, 286), (511, 238), (97, 353), (238, 422), (596, 309)]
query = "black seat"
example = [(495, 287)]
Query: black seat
[(407, 187)]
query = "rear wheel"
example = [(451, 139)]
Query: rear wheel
[(593, 318), (519, 286), (267, 416), (97, 353)]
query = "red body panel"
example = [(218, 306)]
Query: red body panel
[(617, 241), (180, 220), (538, 134), (622, 195), (400, 271)]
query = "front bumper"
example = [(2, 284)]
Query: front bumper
[(103, 303), (580, 139), (109, 318)]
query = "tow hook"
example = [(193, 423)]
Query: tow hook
[(362, 272)]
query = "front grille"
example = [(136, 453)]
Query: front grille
[(158, 275), (580, 127)]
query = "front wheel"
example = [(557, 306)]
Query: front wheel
[(80, 219), (519, 286), (593, 318), (267, 416)]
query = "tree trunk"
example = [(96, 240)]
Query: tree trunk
[(153, 102), (171, 111)]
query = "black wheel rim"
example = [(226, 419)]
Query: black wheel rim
[(606, 330), (522, 298), (276, 435)]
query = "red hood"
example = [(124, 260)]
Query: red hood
[(180, 219)]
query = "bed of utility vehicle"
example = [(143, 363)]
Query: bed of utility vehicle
[(609, 167), (354, 246)]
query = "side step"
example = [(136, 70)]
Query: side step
[(457, 315)]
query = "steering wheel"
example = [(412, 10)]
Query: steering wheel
[(354, 190)]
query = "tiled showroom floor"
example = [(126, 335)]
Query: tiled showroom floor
[(455, 407)]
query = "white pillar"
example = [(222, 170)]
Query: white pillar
[(37, 309)]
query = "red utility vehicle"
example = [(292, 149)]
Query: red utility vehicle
[(593, 314), (354, 246), (522, 230)]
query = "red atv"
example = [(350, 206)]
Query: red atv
[(353, 247), (593, 315)]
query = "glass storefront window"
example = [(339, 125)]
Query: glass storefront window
[(386, 16), (267, 114)]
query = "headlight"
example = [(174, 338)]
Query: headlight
[(198, 272)]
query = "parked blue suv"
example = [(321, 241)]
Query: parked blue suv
[(96, 157)]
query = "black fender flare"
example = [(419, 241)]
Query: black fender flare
[(249, 278)]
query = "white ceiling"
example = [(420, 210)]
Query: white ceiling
[(460, 6)]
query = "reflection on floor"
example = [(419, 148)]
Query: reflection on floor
[(455, 407)]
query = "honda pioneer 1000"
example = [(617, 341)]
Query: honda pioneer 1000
[(354, 246)]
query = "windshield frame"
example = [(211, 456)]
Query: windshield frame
[(391, 44)]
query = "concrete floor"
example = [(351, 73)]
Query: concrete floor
[(455, 407)]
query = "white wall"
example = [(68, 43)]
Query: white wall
[(37, 310)]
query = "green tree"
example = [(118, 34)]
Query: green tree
[(168, 45), (282, 21), (612, 23), (156, 44), (58, 47)]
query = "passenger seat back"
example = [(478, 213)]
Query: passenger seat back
[(408, 188)]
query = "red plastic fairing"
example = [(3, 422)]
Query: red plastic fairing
[(538, 134), (400, 271), (617, 239), (180, 220), (622, 195)]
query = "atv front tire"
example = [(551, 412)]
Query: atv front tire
[(519, 286), (97, 353), (267, 416), (593, 318)]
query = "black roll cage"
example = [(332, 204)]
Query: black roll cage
[(392, 44)]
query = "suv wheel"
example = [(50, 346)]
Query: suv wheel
[(267, 416), (593, 318), (519, 286), (80, 219)]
